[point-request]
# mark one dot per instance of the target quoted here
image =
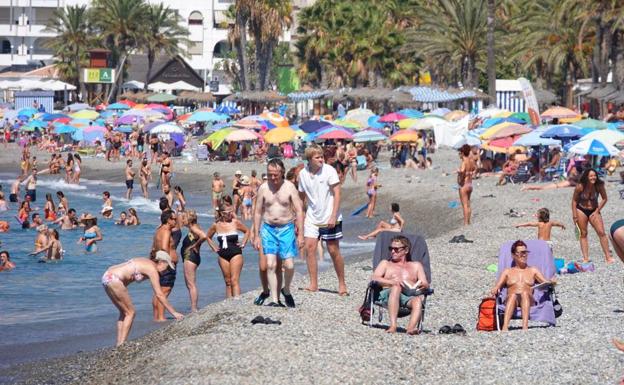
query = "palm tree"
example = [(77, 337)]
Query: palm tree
[(491, 53), (163, 33), (121, 24), (237, 35), (71, 41)]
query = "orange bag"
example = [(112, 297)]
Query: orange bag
[(487, 315)]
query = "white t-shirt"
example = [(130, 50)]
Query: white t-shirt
[(318, 190)]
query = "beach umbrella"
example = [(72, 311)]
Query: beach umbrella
[(151, 125), (64, 129), (220, 126), (145, 112), (107, 114), (249, 123), (456, 115), (503, 145), (222, 109), (407, 123), (417, 124), (594, 147), (392, 117), (206, 116), (280, 135), (78, 106), (369, 136), (161, 98), (404, 136), (606, 136), (167, 128), (27, 128), (242, 135), (313, 125), (563, 131), (335, 134), (217, 138), (118, 106), (559, 113), (9, 114), (411, 113), (38, 124), (352, 124), (490, 112), (466, 138), (127, 102), (360, 115), (511, 129), (276, 119), (524, 116), (125, 129), (28, 111), (373, 122), (440, 111), (534, 138), (487, 134), (592, 124), (85, 114), (184, 117), (129, 119), (51, 117), (503, 114)]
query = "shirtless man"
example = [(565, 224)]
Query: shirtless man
[(254, 182), (217, 189), (277, 205), (164, 242), (68, 221), (395, 275), (129, 179), (107, 206), (519, 281), (15, 189)]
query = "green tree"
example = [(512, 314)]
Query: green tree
[(237, 36), (71, 41), (163, 34)]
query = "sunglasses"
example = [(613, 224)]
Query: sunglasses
[(523, 252), (396, 249)]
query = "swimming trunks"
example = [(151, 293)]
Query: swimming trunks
[(129, 183), (310, 230), (217, 195), (188, 254), (228, 246), (32, 194), (279, 240), (167, 277), (13, 198), (615, 226), (384, 295)]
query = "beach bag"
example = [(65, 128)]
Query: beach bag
[(487, 315), (365, 309)]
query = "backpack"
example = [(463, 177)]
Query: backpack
[(365, 309), (487, 315)]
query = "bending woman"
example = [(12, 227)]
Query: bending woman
[(230, 253), (117, 278), (464, 180), (586, 209), (396, 223), (190, 255)]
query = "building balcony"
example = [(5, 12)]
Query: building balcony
[(8, 59), (32, 3), (34, 30)]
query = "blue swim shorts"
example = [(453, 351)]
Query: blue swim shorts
[(279, 240)]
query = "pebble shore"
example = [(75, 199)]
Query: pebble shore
[(322, 341)]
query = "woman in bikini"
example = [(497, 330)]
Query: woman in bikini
[(226, 228), (396, 223), (190, 254), (117, 278), (586, 209), (464, 180), (41, 240), (371, 191), (69, 168), (165, 170), (49, 210), (181, 200)]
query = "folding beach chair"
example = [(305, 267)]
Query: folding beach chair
[(523, 173), (419, 252), (559, 172), (546, 307)]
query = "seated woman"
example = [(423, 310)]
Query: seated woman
[(396, 223), (509, 168), (519, 281)]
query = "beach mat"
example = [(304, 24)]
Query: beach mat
[(359, 209)]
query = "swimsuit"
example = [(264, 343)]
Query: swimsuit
[(32, 194), (109, 277), (228, 246), (90, 235), (247, 202), (176, 235), (188, 253), (13, 198), (615, 226), (129, 183), (50, 215), (279, 240), (371, 189), (393, 221), (217, 195), (592, 200), (168, 277)]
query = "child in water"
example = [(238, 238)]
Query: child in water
[(544, 225)]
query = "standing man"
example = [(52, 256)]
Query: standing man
[(278, 205), (129, 179), (320, 185), (217, 189), (163, 241)]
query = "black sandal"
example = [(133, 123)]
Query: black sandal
[(458, 329), (258, 320), (445, 330)]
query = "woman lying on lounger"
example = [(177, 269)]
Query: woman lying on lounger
[(396, 223), (573, 178)]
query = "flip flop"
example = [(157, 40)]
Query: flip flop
[(458, 329), (258, 320), (445, 330), (269, 321)]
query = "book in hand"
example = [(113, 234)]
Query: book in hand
[(412, 286), (542, 286), (411, 290)]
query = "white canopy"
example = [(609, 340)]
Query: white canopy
[(133, 85), (159, 86), (27, 84), (183, 86)]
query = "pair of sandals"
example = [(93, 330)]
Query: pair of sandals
[(457, 329), (514, 214), (267, 321), (460, 239)]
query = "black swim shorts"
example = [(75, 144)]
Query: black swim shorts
[(130, 183), (168, 277)]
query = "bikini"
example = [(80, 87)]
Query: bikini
[(592, 200), (90, 235), (109, 277), (371, 190)]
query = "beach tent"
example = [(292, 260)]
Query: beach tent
[(446, 133)]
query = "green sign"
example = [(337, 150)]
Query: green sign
[(99, 75)]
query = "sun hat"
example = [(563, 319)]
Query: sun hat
[(42, 228), (163, 256), (238, 172), (106, 208), (245, 180), (87, 217)]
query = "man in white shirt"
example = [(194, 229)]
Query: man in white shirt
[(319, 185)]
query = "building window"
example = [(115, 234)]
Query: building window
[(221, 49), (196, 48), (6, 46), (196, 18)]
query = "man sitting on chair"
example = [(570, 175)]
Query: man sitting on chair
[(519, 281), (401, 279)]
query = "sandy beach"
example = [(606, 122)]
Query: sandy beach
[(322, 340)]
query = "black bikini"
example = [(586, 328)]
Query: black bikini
[(592, 200)]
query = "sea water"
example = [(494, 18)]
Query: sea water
[(58, 308)]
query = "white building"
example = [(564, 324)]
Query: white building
[(22, 24)]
